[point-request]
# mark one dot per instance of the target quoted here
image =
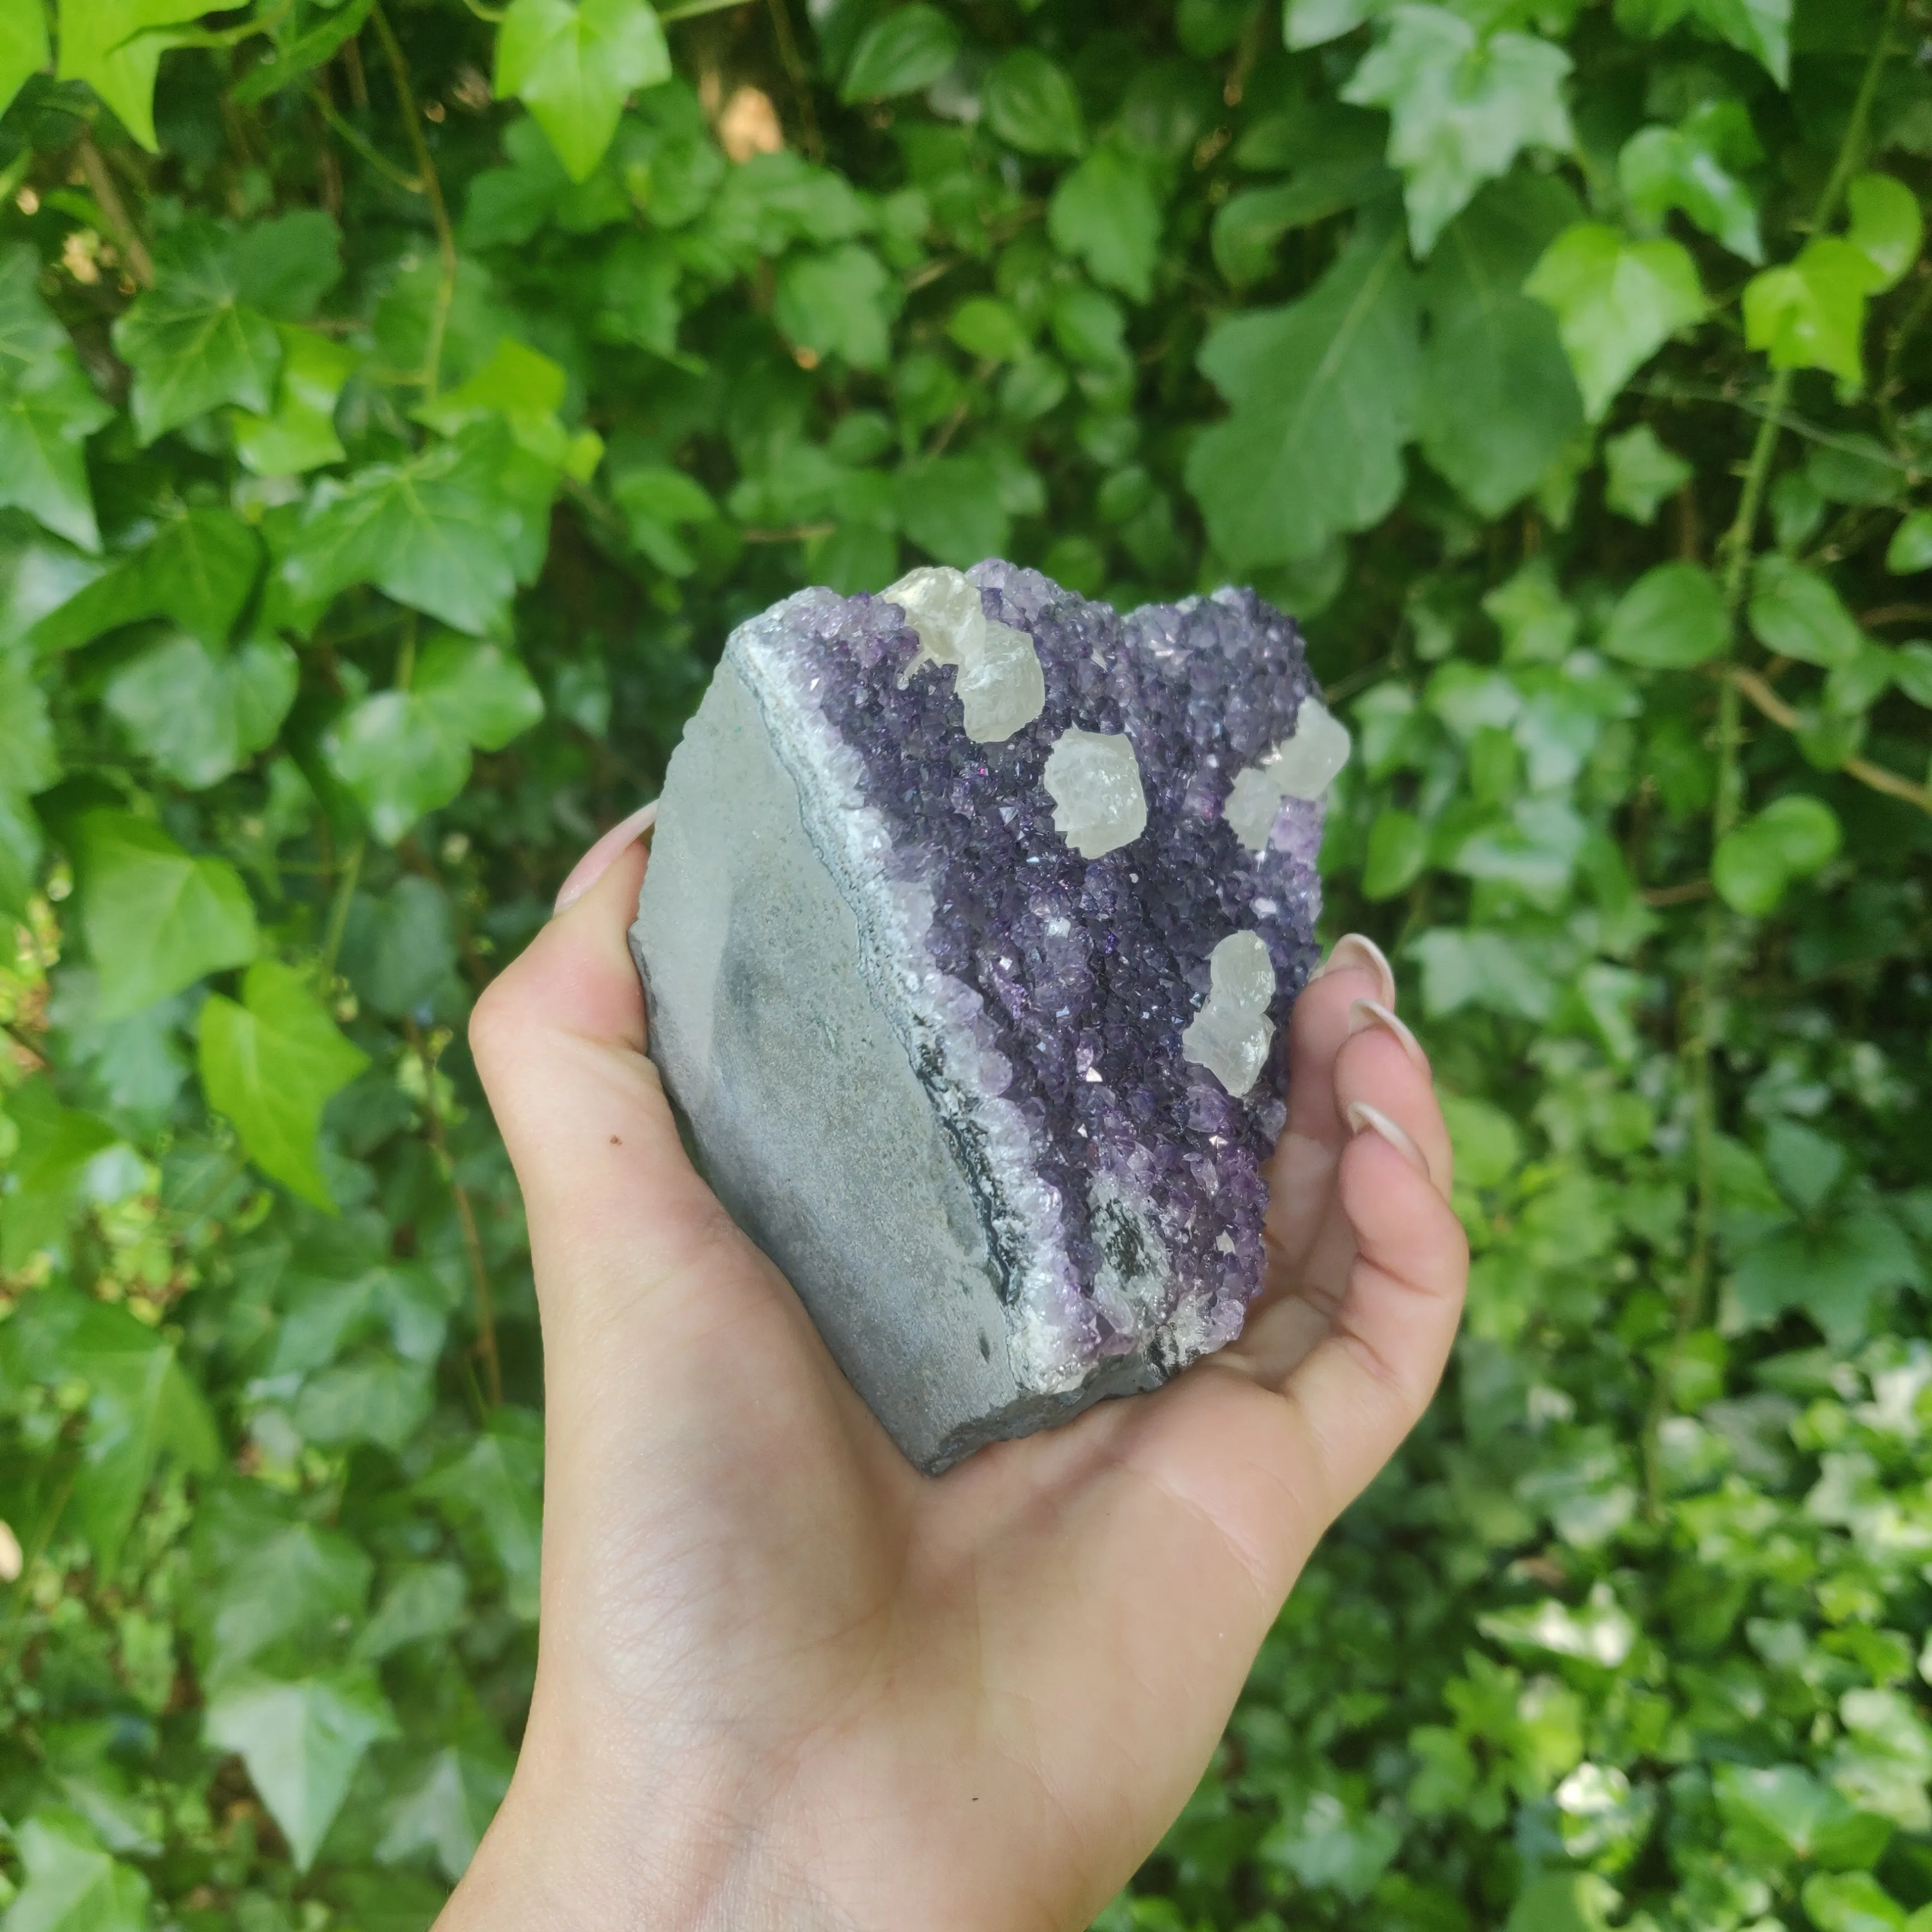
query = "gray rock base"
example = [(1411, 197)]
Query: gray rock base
[(809, 1120)]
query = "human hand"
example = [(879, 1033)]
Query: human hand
[(785, 1681)]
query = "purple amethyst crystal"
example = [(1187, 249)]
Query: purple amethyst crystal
[(972, 993)]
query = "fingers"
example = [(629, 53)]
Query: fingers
[(558, 1038)]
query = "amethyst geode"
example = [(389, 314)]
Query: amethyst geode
[(974, 913)]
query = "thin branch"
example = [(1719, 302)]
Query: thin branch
[(801, 82), (140, 264), (363, 145), (1687, 894), (1898, 613), (338, 913), (466, 1219), (668, 15), (432, 184), (1867, 773)]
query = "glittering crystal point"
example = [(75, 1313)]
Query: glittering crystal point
[(974, 912)]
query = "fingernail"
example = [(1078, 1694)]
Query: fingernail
[(1363, 1118), (1353, 952), (596, 862), (1363, 1014)]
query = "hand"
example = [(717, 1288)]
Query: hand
[(786, 1681)]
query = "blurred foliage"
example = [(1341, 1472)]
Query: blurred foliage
[(397, 405)]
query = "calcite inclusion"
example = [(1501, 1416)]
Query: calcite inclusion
[(970, 990)]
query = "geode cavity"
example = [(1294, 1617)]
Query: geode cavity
[(974, 913)]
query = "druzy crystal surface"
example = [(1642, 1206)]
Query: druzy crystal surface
[(971, 986)]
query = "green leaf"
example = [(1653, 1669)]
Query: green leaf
[(299, 434), (404, 753), (199, 716), (950, 507), (295, 1585), (72, 1884), (1564, 1902), (397, 950), (1851, 1902), (1031, 104), (495, 1484), (191, 343), (445, 1809), (1617, 303), (1398, 851), (24, 50), (1104, 213), (1488, 1144), (48, 409), (370, 1400), (301, 1741), (1795, 613), (143, 1405), (116, 46), (1810, 314), (436, 531), (1323, 396), (49, 1179), (904, 52), (657, 501), (1910, 549), (1664, 168), (1461, 108), (637, 295), (1671, 618), (300, 53), (1248, 226), (1498, 402), (284, 267), (425, 1600), (1887, 228), (571, 63), (986, 327), (1312, 23), (156, 920), (838, 303), (1641, 473), (270, 1063), (1793, 837)]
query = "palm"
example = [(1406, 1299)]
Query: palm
[(975, 1702)]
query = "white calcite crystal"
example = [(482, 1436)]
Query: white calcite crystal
[(1303, 766), (1094, 781), (1000, 683), (1230, 1035)]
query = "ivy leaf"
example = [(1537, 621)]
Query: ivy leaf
[(24, 50), (1832, 1271), (404, 753), (571, 63), (1810, 313), (1313, 23), (73, 1883), (1498, 401), (1031, 104), (1760, 28), (397, 950), (1641, 473), (1104, 214), (838, 302), (200, 716), (116, 46), (1887, 228), (1910, 549), (1777, 1813), (48, 408), (299, 434), (1795, 613), (434, 531), (1617, 303), (49, 1176), (1461, 108), (156, 919), (1664, 168), (300, 53), (1671, 618), (950, 507), (494, 1484), (293, 1583), (285, 266), (445, 1809), (1791, 838), (1322, 397), (143, 1405), (301, 1741), (270, 1063), (657, 501), (1398, 851), (191, 343), (199, 569), (904, 52)]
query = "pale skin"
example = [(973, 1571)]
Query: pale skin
[(787, 1683)]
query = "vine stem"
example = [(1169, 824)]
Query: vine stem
[(466, 1221), (338, 914), (432, 188), (1709, 991), (140, 264)]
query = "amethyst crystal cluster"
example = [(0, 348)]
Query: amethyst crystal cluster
[(973, 915)]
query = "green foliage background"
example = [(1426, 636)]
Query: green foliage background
[(397, 404)]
